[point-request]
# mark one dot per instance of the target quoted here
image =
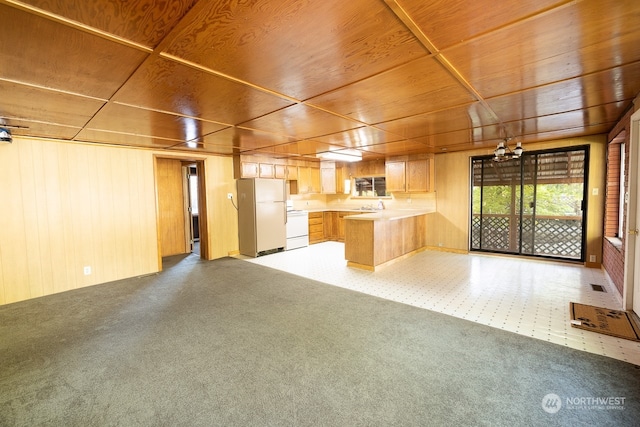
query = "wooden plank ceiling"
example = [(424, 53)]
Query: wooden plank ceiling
[(292, 78)]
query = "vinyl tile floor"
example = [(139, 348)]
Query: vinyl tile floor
[(528, 297)]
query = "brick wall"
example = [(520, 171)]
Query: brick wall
[(613, 263), (613, 255), (612, 202)]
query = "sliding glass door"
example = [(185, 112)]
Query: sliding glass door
[(533, 205)]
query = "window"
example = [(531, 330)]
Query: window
[(616, 189), (374, 186), (193, 192), (622, 190)]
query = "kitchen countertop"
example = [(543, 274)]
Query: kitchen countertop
[(345, 209), (373, 215), (389, 214)]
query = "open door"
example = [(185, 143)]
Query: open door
[(171, 215), (192, 206), (176, 224), (631, 297)]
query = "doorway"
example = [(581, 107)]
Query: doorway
[(631, 295), (534, 205), (192, 211), (181, 207)]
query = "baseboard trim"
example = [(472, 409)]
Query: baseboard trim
[(384, 264), (452, 250)]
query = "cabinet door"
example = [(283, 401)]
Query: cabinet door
[(280, 171), (315, 180), (328, 180), (341, 216), (341, 224), (248, 170), (304, 180), (340, 180), (329, 226), (292, 173), (418, 176), (395, 176), (266, 170)]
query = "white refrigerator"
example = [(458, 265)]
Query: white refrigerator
[(262, 215)]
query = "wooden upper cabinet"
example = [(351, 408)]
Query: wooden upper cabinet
[(267, 170), (304, 180), (328, 183), (315, 180), (280, 171), (292, 173), (368, 168), (248, 170), (411, 175), (418, 176), (395, 176), (340, 176)]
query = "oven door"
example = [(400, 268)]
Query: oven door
[(297, 229)]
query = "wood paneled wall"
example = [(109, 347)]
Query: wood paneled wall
[(65, 206), (69, 206), (171, 215), (448, 228), (221, 214)]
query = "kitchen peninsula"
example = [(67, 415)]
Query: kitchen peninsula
[(380, 237)]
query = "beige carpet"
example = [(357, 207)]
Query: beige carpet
[(604, 321)]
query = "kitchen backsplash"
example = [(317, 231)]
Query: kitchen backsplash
[(342, 201)]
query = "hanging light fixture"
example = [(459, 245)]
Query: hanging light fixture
[(502, 153)]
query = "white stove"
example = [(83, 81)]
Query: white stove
[(297, 229)]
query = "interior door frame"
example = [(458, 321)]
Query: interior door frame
[(188, 212), (631, 279), (202, 204)]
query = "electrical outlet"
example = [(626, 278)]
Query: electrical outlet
[(229, 196), (592, 258), (87, 270)]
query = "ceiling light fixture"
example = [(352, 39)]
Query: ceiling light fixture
[(5, 135), (341, 155), (502, 153)]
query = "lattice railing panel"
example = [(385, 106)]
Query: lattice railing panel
[(558, 237)]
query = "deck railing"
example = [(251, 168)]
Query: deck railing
[(557, 236)]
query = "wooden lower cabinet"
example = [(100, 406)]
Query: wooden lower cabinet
[(316, 227), (370, 243), (331, 226), (341, 216)]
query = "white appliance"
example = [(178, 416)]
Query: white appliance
[(262, 216), (297, 229)]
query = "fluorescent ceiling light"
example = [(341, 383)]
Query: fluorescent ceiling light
[(341, 155)]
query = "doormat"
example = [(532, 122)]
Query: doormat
[(604, 321)]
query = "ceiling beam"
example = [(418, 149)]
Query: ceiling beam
[(411, 25)]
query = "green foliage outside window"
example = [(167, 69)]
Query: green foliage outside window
[(551, 199)]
